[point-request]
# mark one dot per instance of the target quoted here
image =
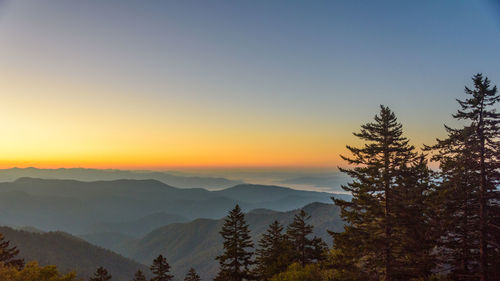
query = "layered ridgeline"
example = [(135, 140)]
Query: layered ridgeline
[(69, 253), (197, 243), (82, 174), (132, 207), (185, 245)]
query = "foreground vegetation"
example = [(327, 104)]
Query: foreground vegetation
[(404, 222)]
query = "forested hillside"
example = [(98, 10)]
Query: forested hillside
[(70, 253), (197, 243)]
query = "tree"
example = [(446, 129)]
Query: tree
[(139, 276), (469, 162), (458, 197), (479, 111), (8, 254), (310, 272), (101, 274), (161, 269), (192, 275), (235, 261), (305, 250), (33, 272), (274, 253), (370, 239)]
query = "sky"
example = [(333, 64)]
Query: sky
[(206, 84)]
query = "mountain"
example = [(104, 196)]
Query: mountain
[(112, 174), (197, 243), (137, 227), (132, 207), (275, 197), (113, 241), (70, 253)]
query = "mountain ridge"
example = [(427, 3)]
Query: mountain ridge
[(70, 253), (76, 206), (197, 243)]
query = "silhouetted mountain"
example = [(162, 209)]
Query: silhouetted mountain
[(197, 243), (112, 174), (81, 207), (70, 253)]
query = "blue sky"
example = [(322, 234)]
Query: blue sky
[(240, 77)]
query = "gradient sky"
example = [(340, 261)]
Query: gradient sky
[(161, 84)]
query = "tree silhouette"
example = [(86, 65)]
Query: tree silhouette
[(139, 276), (370, 215), (101, 274), (304, 249), (161, 269), (192, 275), (8, 254), (469, 162), (235, 261), (274, 253)]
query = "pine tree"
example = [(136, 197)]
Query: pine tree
[(469, 161), (161, 269), (8, 254), (101, 274), (274, 253), (370, 236), (192, 275), (139, 276), (480, 112), (235, 261), (305, 250), (458, 207)]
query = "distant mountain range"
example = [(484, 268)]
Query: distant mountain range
[(112, 174), (197, 243), (132, 207), (70, 253), (140, 219)]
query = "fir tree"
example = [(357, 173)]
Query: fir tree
[(274, 253), (235, 261), (8, 254), (139, 276), (192, 275), (369, 239), (305, 250), (161, 269), (469, 162), (479, 110), (101, 274), (458, 202)]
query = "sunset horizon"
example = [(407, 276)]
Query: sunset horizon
[(249, 140)]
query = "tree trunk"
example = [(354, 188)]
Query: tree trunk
[(388, 260), (483, 262)]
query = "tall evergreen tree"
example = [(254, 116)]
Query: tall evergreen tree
[(459, 203), (8, 254), (274, 253), (101, 274), (161, 269), (305, 249), (370, 235), (469, 161), (192, 275), (235, 261), (139, 276)]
